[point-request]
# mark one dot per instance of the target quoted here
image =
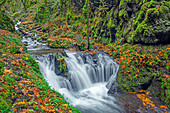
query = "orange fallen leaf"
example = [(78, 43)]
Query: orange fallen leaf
[(163, 107), (20, 103), (7, 71)]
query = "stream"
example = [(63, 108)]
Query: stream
[(88, 76), (87, 80)]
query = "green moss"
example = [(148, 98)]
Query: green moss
[(111, 24), (122, 12), (33, 38), (164, 9), (41, 14), (1, 67), (6, 23), (167, 99), (5, 98)]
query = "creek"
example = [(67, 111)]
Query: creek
[(88, 76), (87, 79)]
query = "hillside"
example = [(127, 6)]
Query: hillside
[(135, 33)]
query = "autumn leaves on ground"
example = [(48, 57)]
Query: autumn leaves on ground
[(22, 87), (144, 69)]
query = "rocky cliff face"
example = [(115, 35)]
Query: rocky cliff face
[(138, 21), (143, 21)]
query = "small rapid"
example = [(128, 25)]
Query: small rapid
[(88, 76)]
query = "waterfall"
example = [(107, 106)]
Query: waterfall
[(89, 77), (85, 84)]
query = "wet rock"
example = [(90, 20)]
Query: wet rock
[(131, 103), (114, 89), (23, 32), (58, 70)]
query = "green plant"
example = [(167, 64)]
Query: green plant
[(1, 67)]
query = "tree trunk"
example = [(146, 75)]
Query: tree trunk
[(46, 3), (23, 2)]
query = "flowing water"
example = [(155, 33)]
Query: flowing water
[(87, 77), (86, 87)]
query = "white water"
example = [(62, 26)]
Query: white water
[(89, 76), (87, 88)]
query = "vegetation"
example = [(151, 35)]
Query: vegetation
[(22, 87), (134, 32)]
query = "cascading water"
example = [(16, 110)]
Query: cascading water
[(88, 77)]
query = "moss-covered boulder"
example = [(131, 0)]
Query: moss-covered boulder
[(152, 24), (144, 68), (143, 21)]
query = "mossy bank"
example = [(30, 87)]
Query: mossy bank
[(22, 86)]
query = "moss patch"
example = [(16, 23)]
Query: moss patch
[(6, 23)]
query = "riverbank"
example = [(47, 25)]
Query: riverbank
[(22, 87)]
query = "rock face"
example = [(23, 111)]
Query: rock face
[(143, 21), (132, 104), (137, 21)]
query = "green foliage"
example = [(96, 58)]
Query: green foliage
[(105, 40), (42, 14), (111, 24), (6, 23), (1, 67), (14, 40)]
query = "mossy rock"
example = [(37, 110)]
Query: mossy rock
[(167, 99), (155, 25), (144, 21), (129, 84), (6, 23)]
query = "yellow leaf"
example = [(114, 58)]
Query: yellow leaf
[(7, 71), (65, 105), (26, 58)]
